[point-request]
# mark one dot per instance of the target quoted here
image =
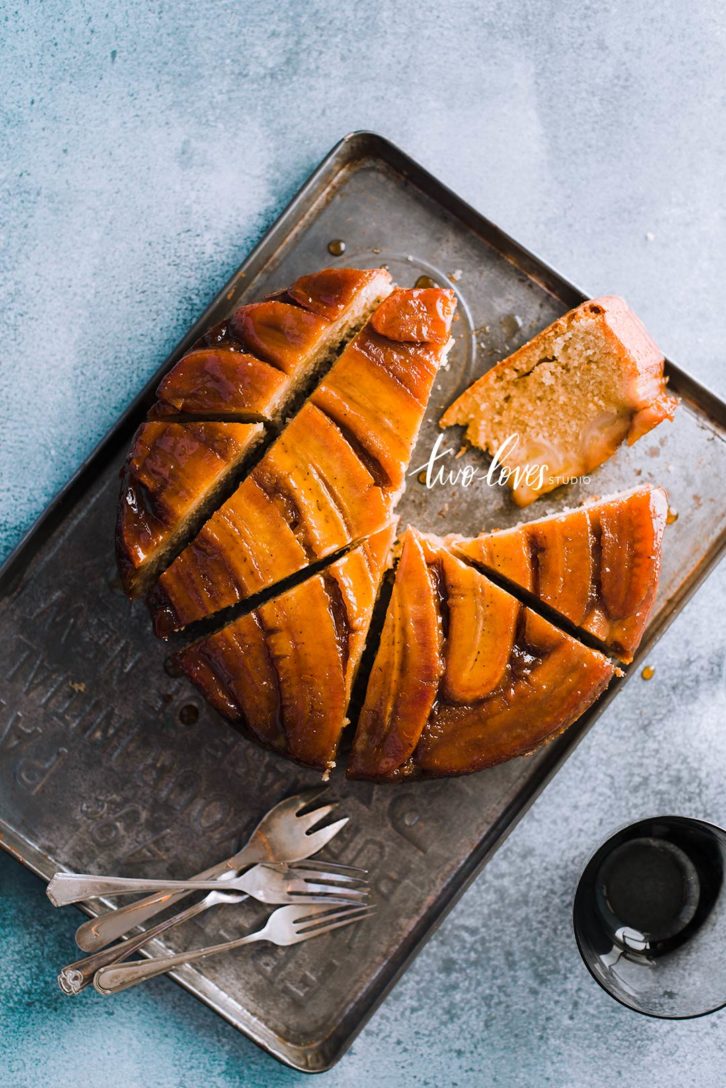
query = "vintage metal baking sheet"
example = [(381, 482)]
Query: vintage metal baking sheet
[(98, 771)]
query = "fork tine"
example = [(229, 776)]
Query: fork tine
[(290, 806), (310, 819), (323, 900), (324, 913), (323, 874), (308, 863), (334, 879), (320, 838), (306, 797), (323, 925), (305, 887)]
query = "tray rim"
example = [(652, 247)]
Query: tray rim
[(351, 151)]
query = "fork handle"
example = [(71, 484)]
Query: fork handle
[(112, 980), (76, 976), (67, 888), (96, 933)]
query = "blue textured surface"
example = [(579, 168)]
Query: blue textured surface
[(146, 149)]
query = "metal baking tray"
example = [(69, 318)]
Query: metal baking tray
[(103, 766)]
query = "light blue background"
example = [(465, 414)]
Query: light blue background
[(146, 148)]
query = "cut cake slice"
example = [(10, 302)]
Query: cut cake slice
[(285, 671), (597, 565), (562, 404)]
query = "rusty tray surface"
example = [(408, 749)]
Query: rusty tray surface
[(100, 773)]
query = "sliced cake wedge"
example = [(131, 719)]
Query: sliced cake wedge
[(563, 403), (331, 478), (285, 671), (597, 565), (465, 676)]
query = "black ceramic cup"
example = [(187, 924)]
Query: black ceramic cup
[(650, 917)]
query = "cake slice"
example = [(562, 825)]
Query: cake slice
[(597, 566), (377, 390), (331, 478), (174, 474), (252, 366), (465, 676), (562, 404), (285, 671)]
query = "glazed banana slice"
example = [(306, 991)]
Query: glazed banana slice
[(219, 381), (546, 693), (405, 677), (277, 332), (331, 292), (481, 629), (297, 330)]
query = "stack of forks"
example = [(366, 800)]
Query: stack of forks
[(272, 867)]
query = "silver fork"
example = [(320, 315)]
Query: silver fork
[(286, 926), (74, 977), (261, 882), (283, 834)]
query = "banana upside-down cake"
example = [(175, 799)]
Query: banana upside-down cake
[(257, 514)]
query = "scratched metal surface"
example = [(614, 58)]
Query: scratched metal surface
[(98, 770)]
